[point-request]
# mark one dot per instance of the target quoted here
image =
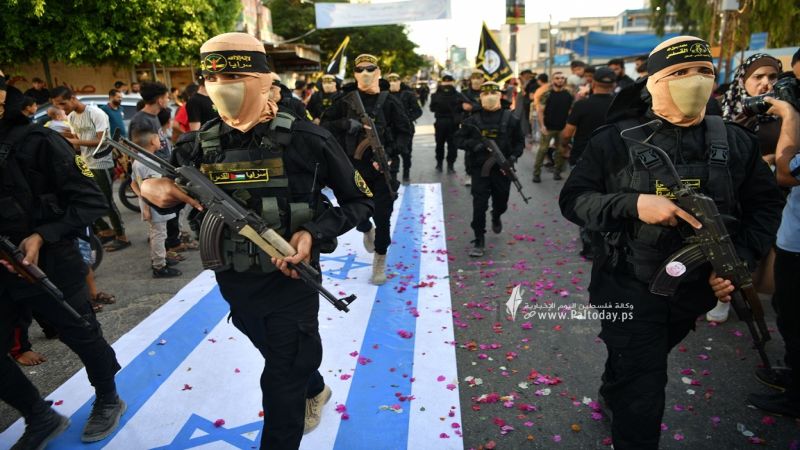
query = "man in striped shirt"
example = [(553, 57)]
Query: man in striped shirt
[(88, 122)]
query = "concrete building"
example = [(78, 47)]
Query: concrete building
[(534, 40)]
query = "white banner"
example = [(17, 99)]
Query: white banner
[(341, 15)]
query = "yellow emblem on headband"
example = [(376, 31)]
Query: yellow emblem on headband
[(214, 62), (365, 57)]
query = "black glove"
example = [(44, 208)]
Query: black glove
[(512, 160), (354, 126)]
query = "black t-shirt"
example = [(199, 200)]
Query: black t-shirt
[(41, 96), (200, 108), (587, 115), (556, 109)]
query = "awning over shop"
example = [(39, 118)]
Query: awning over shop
[(603, 45), (298, 58)]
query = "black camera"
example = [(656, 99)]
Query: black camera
[(786, 88)]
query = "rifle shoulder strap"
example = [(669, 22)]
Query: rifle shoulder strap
[(719, 182), (504, 119), (379, 104)]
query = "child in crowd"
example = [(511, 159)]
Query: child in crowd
[(150, 141)]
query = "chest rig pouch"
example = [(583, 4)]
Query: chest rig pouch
[(256, 177), (642, 248)]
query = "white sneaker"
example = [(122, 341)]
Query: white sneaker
[(314, 409), (379, 269), (468, 182), (719, 313), (369, 240)]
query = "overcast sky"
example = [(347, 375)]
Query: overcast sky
[(434, 37)]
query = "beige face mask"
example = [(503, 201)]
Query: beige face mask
[(691, 93), (368, 82), (490, 102), (681, 99), (329, 87), (244, 102), (394, 86)]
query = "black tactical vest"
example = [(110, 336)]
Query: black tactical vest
[(256, 177), (642, 248)]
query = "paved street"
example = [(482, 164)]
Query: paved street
[(527, 383)]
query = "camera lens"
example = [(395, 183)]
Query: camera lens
[(756, 105)]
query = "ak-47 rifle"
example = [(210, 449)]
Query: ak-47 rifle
[(371, 139), (221, 208), (34, 275), (711, 243), (500, 159)]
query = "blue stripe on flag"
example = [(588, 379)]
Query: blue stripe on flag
[(376, 383), (140, 379)]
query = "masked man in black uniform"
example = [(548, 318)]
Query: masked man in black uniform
[(277, 311), (472, 105), (408, 99), (47, 198), (635, 226), (324, 98), (394, 130), (447, 110), (498, 124)]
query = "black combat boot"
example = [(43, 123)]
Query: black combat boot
[(406, 176), (478, 250), (777, 377), (450, 168), (438, 166), (42, 426), (779, 403), (497, 225), (537, 179), (104, 418)]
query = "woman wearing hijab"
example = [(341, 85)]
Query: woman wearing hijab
[(755, 77)]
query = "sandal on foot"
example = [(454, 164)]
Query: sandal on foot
[(117, 245), (104, 298), (96, 307)]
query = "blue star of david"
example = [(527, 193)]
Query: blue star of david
[(348, 263), (232, 436)]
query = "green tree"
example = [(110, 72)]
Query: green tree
[(390, 43), (118, 32), (777, 17)]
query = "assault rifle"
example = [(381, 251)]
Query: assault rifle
[(500, 159), (34, 275), (222, 209), (711, 243), (371, 139)]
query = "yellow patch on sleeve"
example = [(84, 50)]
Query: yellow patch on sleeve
[(83, 167), (362, 185)]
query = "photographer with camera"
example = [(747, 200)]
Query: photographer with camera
[(747, 102), (787, 266)]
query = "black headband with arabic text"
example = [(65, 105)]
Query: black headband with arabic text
[(696, 50), (232, 61)]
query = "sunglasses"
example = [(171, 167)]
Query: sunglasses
[(369, 69)]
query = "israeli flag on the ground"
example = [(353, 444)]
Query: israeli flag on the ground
[(191, 380)]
